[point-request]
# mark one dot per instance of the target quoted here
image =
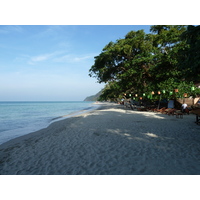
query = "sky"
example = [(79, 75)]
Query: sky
[(52, 62)]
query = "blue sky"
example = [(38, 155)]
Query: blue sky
[(40, 63)]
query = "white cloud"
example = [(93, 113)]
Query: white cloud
[(74, 58), (10, 29), (57, 56), (43, 57), (81, 58)]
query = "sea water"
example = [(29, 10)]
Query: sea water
[(20, 118)]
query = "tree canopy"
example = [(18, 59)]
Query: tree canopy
[(190, 55), (164, 60)]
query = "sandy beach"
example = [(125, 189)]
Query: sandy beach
[(111, 140)]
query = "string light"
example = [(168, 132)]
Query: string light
[(176, 90)]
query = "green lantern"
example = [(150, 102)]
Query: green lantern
[(129, 95), (192, 88), (170, 93), (163, 91), (144, 94)]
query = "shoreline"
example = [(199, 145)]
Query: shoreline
[(11, 134), (54, 120), (108, 140), (79, 112)]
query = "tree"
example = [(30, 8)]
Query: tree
[(189, 57), (112, 91), (141, 63), (127, 61), (168, 43)]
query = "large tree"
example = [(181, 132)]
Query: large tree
[(141, 63), (127, 61)]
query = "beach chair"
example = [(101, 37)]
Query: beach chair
[(171, 111), (178, 114), (166, 111)]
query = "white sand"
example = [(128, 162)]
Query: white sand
[(110, 140)]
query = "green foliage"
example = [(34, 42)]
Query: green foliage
[(111, 91), (141, 63), (189, 57)]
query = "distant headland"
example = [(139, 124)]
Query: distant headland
[(93, 97)]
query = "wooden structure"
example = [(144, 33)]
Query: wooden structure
[(188, 101)]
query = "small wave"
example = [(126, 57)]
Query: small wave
[(56, 118), (79, 112), (88, 108)]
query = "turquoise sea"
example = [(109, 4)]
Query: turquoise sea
[(20, 118)]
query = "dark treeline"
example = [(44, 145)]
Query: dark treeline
[(147, 65)]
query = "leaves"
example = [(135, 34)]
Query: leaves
[(148, 62), (189, 57)]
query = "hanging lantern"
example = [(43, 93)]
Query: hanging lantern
[(140, 98), (152, 92), (170, 92), (136, 95), (129, 95), (192, 88), (144, 94), (158, 92), (163, 91), (176, 90), (133, 98), (185, 95)]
